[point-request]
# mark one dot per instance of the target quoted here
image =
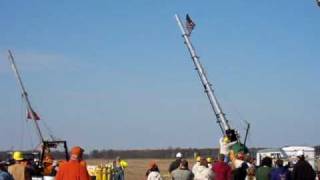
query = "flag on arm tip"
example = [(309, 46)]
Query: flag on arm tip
[(189, 24), (35, 115)]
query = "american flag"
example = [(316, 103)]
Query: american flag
[(190, 24), (35, 115)]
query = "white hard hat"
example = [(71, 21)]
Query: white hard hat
[(179, 155), (300, 153)]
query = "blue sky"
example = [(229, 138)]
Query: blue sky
[(116, 74)]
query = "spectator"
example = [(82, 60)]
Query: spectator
[(176, 163), (251, 173), (119, 167), (240, 167), (183, 172), (203, 172), (280, 172), (221, 169), (264, 171), (302, 169), (49, 166), (75, 168), (196, 165), (153, 172), (209, 160), (4, 175)]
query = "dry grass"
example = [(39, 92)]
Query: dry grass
[(138, 167)]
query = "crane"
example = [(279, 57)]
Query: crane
[(222, 121), (46, 144)]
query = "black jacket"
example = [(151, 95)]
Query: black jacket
[(303, 171), (174, 165)]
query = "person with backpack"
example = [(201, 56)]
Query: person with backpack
[(280, 172)]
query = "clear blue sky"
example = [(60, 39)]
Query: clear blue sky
[(116, 74)]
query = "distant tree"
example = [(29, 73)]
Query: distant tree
[(95, 154)]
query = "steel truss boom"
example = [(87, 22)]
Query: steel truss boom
[(25, 96), (220, 116)]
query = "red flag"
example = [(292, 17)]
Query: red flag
[(35, 115), (189, 24)]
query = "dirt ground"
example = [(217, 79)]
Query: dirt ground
[(138, 167)]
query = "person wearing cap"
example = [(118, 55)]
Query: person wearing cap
[(302, 169), (203, 172), (209, 160), (183, 172), (4, 175), (75, 168), (176, 163), (19, 169), (196, 165), (225, 145), (153, 172)]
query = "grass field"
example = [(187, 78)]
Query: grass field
[(138, 167)]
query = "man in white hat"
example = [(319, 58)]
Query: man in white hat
[(176, 163), (302, 169)]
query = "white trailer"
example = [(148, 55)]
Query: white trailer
[(274, 153), (288, 154), (309, 154)]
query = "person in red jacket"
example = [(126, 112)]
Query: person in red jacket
[(75, 168), (221, 169)]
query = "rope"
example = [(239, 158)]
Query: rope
[(49, 130), (22, 127), (237, 113)]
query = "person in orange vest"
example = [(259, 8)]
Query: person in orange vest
[(49, 166), (75, 168)]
